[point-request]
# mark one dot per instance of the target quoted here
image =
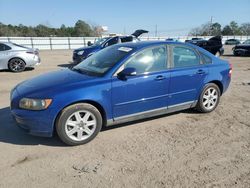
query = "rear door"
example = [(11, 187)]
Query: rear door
[(146, 91), (187, 75)]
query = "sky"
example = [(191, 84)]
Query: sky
[(171, 17)]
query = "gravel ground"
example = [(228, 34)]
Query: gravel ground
[(184, 149)]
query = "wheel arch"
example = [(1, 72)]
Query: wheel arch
[(94, 103), (16, 57), (219, 84)]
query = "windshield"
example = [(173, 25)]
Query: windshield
[(101, 62), (100, 41), (246, 42)]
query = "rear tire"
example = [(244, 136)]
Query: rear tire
[(16, 65), (209, 98), (78, 124)]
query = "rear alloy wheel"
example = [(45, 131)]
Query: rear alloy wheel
[(16, 65), (79, 124), (209, 98)]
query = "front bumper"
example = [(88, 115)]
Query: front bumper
[(35, 123)]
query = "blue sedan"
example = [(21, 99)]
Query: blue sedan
[(121, 83)]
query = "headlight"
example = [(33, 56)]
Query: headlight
[(34, 104), (80, 52)]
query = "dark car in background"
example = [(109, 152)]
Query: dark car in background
[(242, 49), (82, 53), (232, 42), (213, 45)]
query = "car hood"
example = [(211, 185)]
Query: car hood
[(56, 80)]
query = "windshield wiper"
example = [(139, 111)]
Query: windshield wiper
[(77, 70), (82, 71)]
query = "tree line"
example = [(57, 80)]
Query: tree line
[(80, 29), (233, 28), (83, 29)]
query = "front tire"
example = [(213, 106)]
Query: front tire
[(78, 124), (16, 65), (209, 98)]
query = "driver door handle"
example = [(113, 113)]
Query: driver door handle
[(160, 77), (200, 71)]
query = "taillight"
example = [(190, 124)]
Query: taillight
[(230, 70), (32, 52)]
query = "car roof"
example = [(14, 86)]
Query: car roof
[(144, 44)]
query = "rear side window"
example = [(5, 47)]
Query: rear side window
[(4, 47), (206, 59), (149, 60), (184, 57)]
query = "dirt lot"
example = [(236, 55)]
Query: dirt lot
[(185, 149)]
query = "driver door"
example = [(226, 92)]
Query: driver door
[(148, 89)]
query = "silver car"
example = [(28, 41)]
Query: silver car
[(16, 57)]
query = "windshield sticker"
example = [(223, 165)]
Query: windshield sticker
[(125, 49)]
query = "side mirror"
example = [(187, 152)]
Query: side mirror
[(130, 71)]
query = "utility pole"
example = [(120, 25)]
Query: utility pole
[(211, 24), (156, 30)]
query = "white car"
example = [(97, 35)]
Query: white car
[(16, 57)]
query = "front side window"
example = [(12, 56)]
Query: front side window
[(184, 57), (149, 60), (100, 41)]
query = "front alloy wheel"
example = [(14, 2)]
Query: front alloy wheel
[(78, 124)]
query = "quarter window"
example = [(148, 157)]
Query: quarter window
[(149, 60), (4, 47), (206, 59), (184, 57)]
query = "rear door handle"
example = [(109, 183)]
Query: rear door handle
[(200, 71), (160, 77)]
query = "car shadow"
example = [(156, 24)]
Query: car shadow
[(26, 69), (12, 134), (231, 55), (228, 55)]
